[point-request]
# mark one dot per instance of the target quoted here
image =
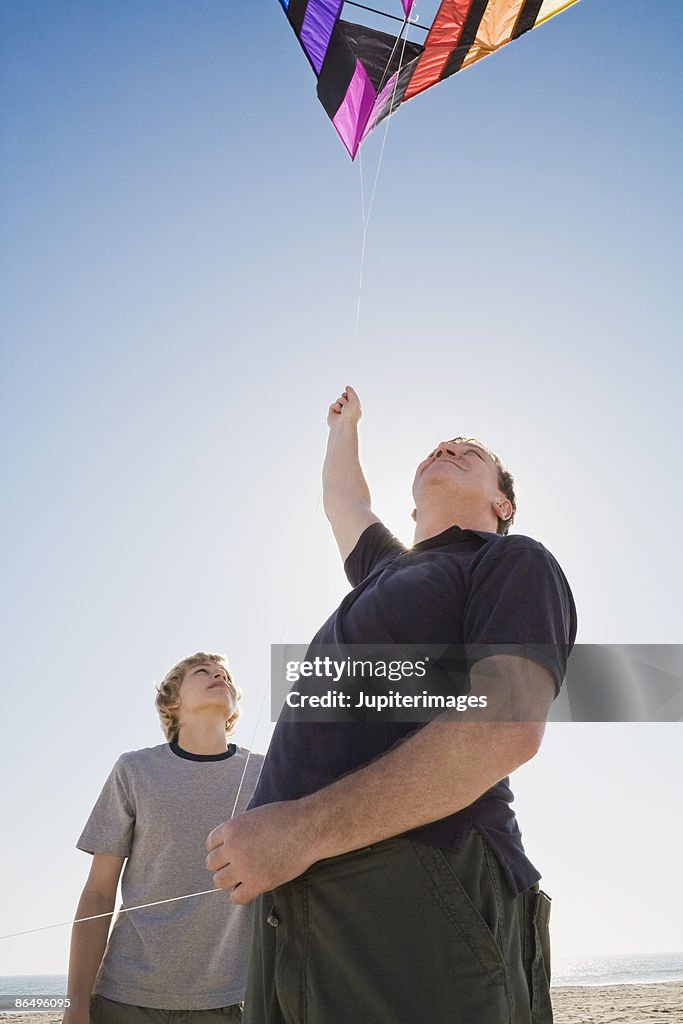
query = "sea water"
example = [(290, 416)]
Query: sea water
[(615, 969), (32, 987), (618, 969)]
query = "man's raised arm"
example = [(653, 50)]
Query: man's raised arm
[(346, 495)]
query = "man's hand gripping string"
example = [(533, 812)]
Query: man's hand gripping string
[(261, 849)]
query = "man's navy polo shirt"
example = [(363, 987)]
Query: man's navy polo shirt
[(461, 587)]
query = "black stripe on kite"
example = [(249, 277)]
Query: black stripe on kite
[(336, 73), (399, 90), (375, 50), (296, 12), (467, 37), (527, 17), (380, 53)]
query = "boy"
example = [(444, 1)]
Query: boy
[(155, 810)]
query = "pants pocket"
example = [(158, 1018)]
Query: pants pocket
[(537, 953), (455, 902)]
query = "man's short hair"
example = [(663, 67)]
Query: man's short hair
[(168, 693), (506, 482)]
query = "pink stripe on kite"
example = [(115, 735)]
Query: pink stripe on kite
[(378, 106), (351, 118), (407, 4)]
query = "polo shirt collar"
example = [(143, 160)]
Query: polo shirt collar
[(454, 535)]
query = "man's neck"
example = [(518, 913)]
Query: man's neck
[(203, 737), (430, 522)]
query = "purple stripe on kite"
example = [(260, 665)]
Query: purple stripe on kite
[(407, 4), (355, 109), (319, 20), (378, 106)]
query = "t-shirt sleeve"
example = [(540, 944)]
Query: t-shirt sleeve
[(375, 545), (520, 603), (110, 827)]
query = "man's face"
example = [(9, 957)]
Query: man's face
[(208, 685), (458, 466)]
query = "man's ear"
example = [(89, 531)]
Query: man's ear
[(503, 509)]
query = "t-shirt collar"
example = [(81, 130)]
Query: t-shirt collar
[(452, 535), (187, 756)]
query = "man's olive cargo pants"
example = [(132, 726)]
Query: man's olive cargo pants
[(401, 933)]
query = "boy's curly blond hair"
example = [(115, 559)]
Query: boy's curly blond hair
[(168, 693)]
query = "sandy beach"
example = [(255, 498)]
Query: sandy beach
[(612, 1004), (619, 1004)]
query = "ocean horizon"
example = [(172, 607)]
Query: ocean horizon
[(609, 969), (617, 969)]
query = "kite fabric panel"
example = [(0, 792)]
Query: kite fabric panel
[(364, 74)]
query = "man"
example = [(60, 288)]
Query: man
[(186, 959), (395, 885)]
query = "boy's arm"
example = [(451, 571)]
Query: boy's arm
[(89, 939), (346, 496)]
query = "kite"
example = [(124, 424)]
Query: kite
[(364, 74)]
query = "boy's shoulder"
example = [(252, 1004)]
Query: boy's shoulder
[(132, 759), (253, 755), (164, 753), (144, 753), (251, 760)]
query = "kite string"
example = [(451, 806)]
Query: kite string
[(364, 236), (365, 221), (365, 216), (246, 763), (391, 113), (109, 913)]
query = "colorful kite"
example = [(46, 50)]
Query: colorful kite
[(365, 74)]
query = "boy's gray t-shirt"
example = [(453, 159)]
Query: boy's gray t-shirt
[(156, 809)]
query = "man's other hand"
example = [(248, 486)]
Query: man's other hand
[(261, 849), (346, 409)]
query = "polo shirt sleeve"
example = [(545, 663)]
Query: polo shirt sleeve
[(520, 603), (111, 824), (376, 545)]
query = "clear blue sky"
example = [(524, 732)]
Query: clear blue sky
[(179, 279)]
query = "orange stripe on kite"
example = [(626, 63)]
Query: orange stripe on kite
[(439, 45), (495, 29)]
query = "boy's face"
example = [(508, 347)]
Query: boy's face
[(204, 687)]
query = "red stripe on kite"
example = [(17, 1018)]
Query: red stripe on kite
[(439, 45)]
